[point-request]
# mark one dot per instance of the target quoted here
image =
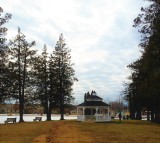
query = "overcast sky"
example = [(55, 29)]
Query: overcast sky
[(98, 32)]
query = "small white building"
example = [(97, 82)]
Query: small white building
[(93, 108)]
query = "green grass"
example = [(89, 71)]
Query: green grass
[(114, 132)]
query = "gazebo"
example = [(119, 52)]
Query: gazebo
[(93, 108)]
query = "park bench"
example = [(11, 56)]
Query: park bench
[(10, 120), (37, 119)]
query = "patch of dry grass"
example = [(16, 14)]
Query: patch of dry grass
[(75, 132), (23, 132), (124, 132)]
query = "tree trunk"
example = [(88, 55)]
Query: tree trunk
[(46, 108), (46, 93), (138, 115), (62, 113), (21, 99), (148, 115), (132, 110), (157, 117), (23, 86), (62, 108), (21, 108), (49, 112), (61, 89), (152, 116)]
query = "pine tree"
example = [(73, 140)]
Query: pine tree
[(21, 59), (64, 73), (41, 71), (4, 69), (149, 21), (54, 77), (146, 71)]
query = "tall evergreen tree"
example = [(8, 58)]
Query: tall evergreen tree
[(64, 73), (4, 69), (21, 59), (146, 75), (53, 100), (149, 21), (41, 70)]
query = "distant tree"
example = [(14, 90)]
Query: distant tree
[(4, 69), (21, 59)]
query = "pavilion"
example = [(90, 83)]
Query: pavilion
[(93, 108)]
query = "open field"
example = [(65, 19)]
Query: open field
[(75, 132)]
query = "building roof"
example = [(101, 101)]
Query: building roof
[(94, 96), (93, 103), (92, 100)]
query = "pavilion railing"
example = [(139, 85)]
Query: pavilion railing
[(97, 118), (103, 118), (90, 117), (80, 117)]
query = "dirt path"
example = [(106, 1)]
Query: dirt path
[(64, 132)]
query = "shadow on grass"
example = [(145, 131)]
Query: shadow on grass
[(127, 122)]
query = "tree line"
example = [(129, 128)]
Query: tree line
[(143, 90), (33, 78)]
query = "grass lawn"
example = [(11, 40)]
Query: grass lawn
[(125, 132), (23, 132), (75, 132)]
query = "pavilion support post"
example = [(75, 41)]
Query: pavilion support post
[(108, 114), (77, 111), (96, 113), (96, 110), (83, 113)]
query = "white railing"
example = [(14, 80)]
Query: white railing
[(90, 117), (80, 117), (103, 118), (97, 118)]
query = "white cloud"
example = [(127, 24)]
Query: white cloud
[(99, 33)]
